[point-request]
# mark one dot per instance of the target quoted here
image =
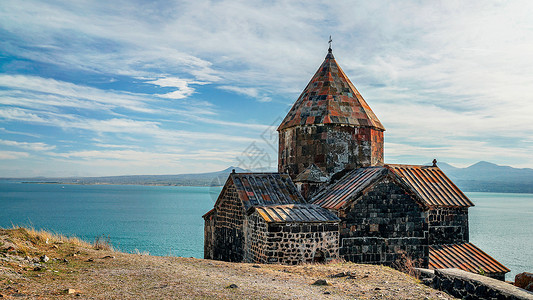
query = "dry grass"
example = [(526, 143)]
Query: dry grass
[(103, 274), (26, 239)]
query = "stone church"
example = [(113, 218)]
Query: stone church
[(334, 197)]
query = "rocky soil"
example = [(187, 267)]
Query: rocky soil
[(40, 265)]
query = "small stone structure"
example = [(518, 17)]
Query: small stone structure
[(335, 197), (261, 217), (273, 240), (310, 181)]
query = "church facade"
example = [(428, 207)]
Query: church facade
[(334, 197)]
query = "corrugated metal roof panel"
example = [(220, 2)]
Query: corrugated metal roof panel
[(296, 213), (466, 257), (337, 195), (330, 97), (260, 189), (431, 185)]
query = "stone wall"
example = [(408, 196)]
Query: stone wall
[(209, 235), (382, 224), (448, 225), (229, 221), (288, 243), (331, 147), (255, 232), (467, 285)]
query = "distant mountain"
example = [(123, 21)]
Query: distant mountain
[(488, 177), (199, 179), (480, 177)]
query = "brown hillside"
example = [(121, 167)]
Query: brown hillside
[(106, 274)]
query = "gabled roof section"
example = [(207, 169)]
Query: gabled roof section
[(260, 189), (348, 187), (311, 174), (296, 213), (330, 98), (209, 213), (431, 185), (466, 257)]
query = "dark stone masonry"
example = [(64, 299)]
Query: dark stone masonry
[(448, 225), (291, 244), (466, 285), (334, 197), (332, 148), (381, 225)]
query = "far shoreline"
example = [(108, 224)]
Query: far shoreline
[(105, 183), (185, 185)]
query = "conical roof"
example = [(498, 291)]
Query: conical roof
[(330, 98)]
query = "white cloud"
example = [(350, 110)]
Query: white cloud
[(184, 89), (51, 92), (28, 146), (13, 155), (115, 146), (250, 92), (437, 74), (116, 125), (19, 133)]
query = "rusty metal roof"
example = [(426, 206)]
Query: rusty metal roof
[(466, 257), (348, 187), (431, 185), (296, 213), (428, 183), (330, 98), (259, 189)]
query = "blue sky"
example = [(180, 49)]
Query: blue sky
[(90, 88)]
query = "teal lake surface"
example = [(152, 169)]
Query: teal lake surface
[(167, 220)]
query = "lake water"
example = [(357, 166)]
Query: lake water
[(168, 220)]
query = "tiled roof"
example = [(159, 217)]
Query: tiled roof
[(296, 213), (311, 174), (431, 185), (466, 257), (330, 98), (258, 189), (348, 187)]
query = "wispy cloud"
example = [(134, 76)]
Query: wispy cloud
[(444, 77), (13, 155), (51, 92), (28, 146), (19, 133), (183, 86), (115, 125), (250, 92)]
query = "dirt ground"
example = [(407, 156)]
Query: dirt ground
[(76, 269)]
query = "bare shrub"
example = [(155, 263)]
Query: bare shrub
[(103, 242), (136, 251), (407, 265)]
